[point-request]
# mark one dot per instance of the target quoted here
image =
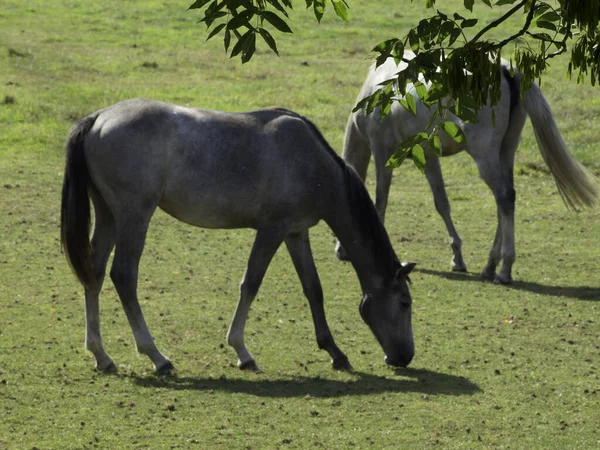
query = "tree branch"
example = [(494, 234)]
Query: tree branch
[(495, 23)]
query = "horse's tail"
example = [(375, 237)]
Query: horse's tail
[(75, 206), (575, 183)]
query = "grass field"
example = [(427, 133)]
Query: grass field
[(496, 367)]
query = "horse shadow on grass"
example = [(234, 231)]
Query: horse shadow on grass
[(409, 380), (588, 293)]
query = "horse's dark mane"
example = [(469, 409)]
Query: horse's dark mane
[(362, 209)]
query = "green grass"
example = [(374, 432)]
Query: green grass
[(496, 367)]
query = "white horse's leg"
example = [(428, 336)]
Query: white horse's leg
[(433, 172), (102, 243), (265, 245), (131, 235), (495, 255), (357, 154), (504, 242), (384, 179), (299, 249)]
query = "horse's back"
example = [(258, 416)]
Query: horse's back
[(209, 168), (400, 124)]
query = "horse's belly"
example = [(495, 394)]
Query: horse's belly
[(207, 215)]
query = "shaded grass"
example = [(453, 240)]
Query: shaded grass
[(496, 367)]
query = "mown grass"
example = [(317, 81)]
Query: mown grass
[(496, 367)]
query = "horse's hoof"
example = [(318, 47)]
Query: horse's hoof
[(341, 254), (166, 369), (250, 366), (489, 275), (502, 279), (342, 364), (462, 269), (109, 368)]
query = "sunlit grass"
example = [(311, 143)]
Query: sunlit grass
[(497, 367)]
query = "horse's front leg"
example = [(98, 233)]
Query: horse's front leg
[(298, 246), (265, 245), (383, 175), (433, 172)]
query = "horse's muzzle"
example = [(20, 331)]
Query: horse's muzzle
[(399, 360)]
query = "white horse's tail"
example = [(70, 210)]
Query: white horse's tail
[(576, 185)]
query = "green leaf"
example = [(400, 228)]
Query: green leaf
[(226, 39), (546, 25), (241, 43), (276, 21), (268, 39), (550, 16), (385, 46), (468, 23), (435, 143), (415, 139), (397, 158), (249, 48), (413, 40), (417, 154), (505, 2), (409, 104), (469, 4), (398, 51), (319, 8), (240, 20), (217, 29), (421, 90), (542, 37), (209, 18), (436, 92), (340, 9), (452, 130), (280, 8), (198, 4), (454, 35)]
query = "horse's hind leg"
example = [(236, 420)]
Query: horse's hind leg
[(103, 241), (298, 246), (265, 245), (433, 172), (131, 235), (503, 248)]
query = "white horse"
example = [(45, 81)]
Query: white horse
[(492, 147)]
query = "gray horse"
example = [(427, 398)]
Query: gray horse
[(270, 170), (492, 147)]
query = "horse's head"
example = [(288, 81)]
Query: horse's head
[(388, 313)]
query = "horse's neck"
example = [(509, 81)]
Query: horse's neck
[(367, 254)]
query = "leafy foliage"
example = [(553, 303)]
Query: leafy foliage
[(455, 68), (243, 20)]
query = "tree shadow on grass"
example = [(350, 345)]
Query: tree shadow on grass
[(588, 293), (409, 380)]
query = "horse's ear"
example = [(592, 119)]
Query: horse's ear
[(405, 269)]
